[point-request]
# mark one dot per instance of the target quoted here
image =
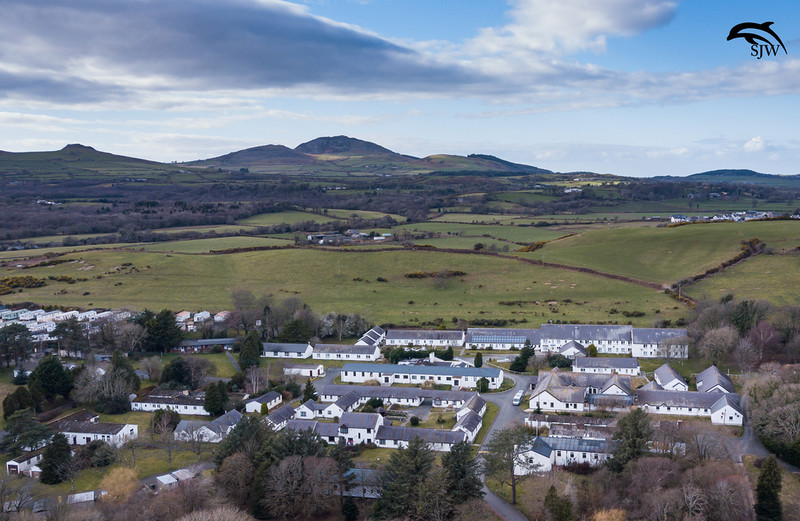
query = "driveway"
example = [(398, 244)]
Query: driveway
[(509, 414)]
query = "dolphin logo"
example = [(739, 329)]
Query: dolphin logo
[(736, 32)]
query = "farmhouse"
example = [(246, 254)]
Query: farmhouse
[(272, 399), (346, 352), (627, 366), (205, 345), (546, 452), (85, 432), (388, 374), (424, 338), (712, 380), (722, 408), (559, 391), (211, 432), (669, 379), (182, 402), (271, 350), (496, 338), (306, 370)]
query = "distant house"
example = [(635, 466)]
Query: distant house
[(388, 374), (272, 399), (183, 316), (669, 379), (221, 317), (546, 452), (273, 350), (205, 345), (211, 432), (563, 391), (182, 402), (424, 338), (25, 367), (497, 338), (572, 350), (304, 370), (373, 337), (84, 432), (626, 366), (278, 419), (26, 463), (607, 339), (712, 380), (653, 342), (201, 316), (722, 408), (362, 353)]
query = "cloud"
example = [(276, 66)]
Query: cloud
[(755, 145)]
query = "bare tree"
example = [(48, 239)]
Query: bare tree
[(731, 499), (257, 378), (194, 438), (152, 366), (130, 336), (235, 476), (670, 348), (703, 443), (746, 355), (300, 487), (166, 436), (717, 343), (695, 500), (200, 369)]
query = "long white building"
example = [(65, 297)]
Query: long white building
[(388, 374)]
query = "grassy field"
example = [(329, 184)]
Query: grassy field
[(492, 287), (291, 217), (664, 255), (206, 245), (521, 234), (790, 483), (488, 418), (361, 214), (775, 278)]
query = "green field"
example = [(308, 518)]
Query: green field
[(361, 214), (520, 234), (664, 255), (272, 219), (325, 280), (206, 245), (775, 278)]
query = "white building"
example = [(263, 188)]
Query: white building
[(361, 353), (546, 452), (272, 399), (500, 338), (26, 464), (210, 432), (559, 391), (274, 350), (85, 432), (182, 402), (304, 370), (654, 343), (424, 338), (712, 380), (607, 339), (388, 374), (626, 366), (669, 379), (722, 408)]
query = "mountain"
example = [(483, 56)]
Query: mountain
[(256, 156), (343, 145), (508, 164), (740, 176)]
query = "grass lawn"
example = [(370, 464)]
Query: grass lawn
[(220, 361), (433, 421), (491, 413), (378, 456), (206, 245), (686, 367), (775, 278)]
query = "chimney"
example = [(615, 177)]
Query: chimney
[(430, 357)]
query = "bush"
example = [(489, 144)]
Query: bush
[(414, 421)]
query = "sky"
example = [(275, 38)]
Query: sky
[(628, 87)]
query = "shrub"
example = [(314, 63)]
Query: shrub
[(414, 421)]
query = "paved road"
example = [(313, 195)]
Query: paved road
[(750, 444), (234, 362)]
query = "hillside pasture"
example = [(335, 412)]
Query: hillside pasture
[(207, 245), (289, 217), (492, 287)]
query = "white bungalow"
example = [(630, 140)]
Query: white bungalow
[(359, 353), (722, 408), (424, 338), (501, 338), (26, 463), (653, 343), (546, 452), (388, 374), (85, 432), (304, 370), (572, 350), (210, 432), (182, 402), (669, 379), (274, 350), (626, 366), (712, 380), (272, 399)]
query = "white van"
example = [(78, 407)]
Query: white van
[(518, 398)]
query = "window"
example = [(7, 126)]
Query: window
[(558, 453)]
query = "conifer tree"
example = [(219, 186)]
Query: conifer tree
[(400, 490), (479, 360), (768, 489), (461, 473), (309, 392), (250, 352), (56, 457)]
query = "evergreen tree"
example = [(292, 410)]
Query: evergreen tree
[(16, 341), (461, 473), (400, 481), (71, 335), (591, 351), (448, 354), (483, 385), (24, 433), (213, 401), (633, 432), (37, 393), (768, 489), (19, 399), (121, 363), (162, 333), (54, 379), (343, 458), (55, 459), (296, 331), (560, 507), (479, 360), (519, 364), (350, 509), (250, 352), (177, 373), (505, 452), (309, 392), (527, 351)]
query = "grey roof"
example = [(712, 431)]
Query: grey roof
[(610, 400), (666, 374), (389, 432), (365, 477), (409, 393), (470, 421), (711, 377), (424, 334), (476, 403), (314, 406), (619, 381), (348, 400), (655, 335), (612, 363), (502, 335), (373, 337), (284, 348), (185, 425), (344, 348), (487, 372), (302, 425), (360, 420), (580, 444), (175, 399), (652, 385), (283, 414), (565, 419), (226, 421), (556, 378), (681, 398), (541, 447), (323, 429), (586, 332), (209, 342), (573, 344), (729, 399), (89, 427), (265, 398)]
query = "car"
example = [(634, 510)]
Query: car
[(518, 398)]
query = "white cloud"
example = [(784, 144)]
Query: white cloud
[(755, 145)]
